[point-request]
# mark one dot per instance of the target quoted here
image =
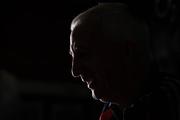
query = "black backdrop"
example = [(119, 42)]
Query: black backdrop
[(34, 49), (35, 38), (35, 34)]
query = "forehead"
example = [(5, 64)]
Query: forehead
[(85, 35)]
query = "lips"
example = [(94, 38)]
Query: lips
[(89, 81)]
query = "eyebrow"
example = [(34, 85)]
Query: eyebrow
[(70, 49)]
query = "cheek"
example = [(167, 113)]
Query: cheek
[(107, 68), (116, 76)]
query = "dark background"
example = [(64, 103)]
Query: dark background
[(36, 37), (35, 63), (36, 83)]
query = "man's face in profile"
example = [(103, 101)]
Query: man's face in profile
[(103, 65)]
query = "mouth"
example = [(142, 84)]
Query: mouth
[(88, 81)]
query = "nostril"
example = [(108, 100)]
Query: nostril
[(75, 71), (74, 74)]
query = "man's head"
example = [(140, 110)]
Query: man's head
[(109, 53)]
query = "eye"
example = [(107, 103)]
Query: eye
[(82, 53), (70, 53)]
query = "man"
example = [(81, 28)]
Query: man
[(109, 48)]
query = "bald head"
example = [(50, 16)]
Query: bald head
[(115, 21), (116, 25), (109, 51)]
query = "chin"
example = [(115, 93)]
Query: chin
[(99, 97), (106, 99), (94, 95)]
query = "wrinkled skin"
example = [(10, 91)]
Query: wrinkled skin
[(108, 68)]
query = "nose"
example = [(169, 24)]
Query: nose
[(75, 69)]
